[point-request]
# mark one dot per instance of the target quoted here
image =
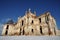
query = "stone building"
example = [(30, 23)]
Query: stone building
[(30, 24)]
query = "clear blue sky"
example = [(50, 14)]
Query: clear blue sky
[(14, 8)]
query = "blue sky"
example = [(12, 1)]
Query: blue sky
[(15, 8)]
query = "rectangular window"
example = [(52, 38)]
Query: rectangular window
[(32, 30), (40, 20), (49, 31), (7, 30), (41, 30), (46, 19), (22, 22), (20, 31), (7, 27), (32, 21), (23, 31)]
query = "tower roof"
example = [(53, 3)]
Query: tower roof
[(10, 21)]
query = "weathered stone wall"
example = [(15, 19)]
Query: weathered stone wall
[(30, 24)]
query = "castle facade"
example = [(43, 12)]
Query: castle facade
[(30, 24)]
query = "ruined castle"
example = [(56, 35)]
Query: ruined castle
[(30, 24)]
